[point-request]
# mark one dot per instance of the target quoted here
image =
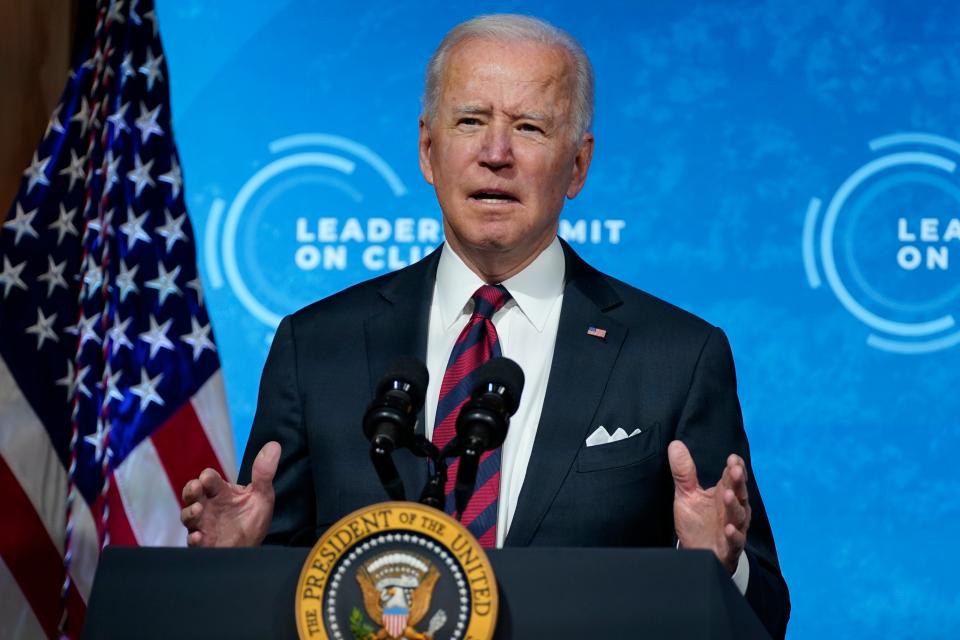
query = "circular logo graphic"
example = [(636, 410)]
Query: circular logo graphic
[(396, 570), (322, 213), (888, 243)]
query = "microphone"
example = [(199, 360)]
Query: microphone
[(389, 420), (483, 421)]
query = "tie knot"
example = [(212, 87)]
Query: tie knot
[(489, 299)]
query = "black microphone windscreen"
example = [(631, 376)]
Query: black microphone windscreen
[(505, 372), (411, 371)]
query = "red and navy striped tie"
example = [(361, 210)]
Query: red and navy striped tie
[(476, 344)]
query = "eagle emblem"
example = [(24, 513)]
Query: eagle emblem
[(397, 588)]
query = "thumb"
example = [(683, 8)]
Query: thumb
[(265, 467), (683, 468)]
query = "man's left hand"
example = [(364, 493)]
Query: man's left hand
[(716, 518)]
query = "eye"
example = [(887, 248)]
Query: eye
[(528, 127), (468, 121)]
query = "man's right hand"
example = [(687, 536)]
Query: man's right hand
[(221, 514)]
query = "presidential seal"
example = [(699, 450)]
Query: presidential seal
[(396, 570)]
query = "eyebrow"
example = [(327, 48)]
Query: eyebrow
[(471, 109), (475, 109), (539, 116)]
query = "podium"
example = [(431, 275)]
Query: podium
[(544, 593)]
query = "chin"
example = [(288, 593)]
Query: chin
[(493, 238)]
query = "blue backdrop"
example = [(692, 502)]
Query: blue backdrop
[(785, 169)]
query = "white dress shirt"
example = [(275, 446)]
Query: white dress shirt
[(527, 330)]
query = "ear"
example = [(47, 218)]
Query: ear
[(426, 168), (581, 164)]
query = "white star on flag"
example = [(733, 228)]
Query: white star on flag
[(36, 172), (114, 13), (147, 389), (64, 224), (119, 119), (98, 439), (147, 122), (165, 283), (173, 229), (10, 276), (174, 177), (126, 67), (113, 391), (22, 224), (74, 170), (198, 338), (152, 17), (82, 116), (54, 122), (93, 60), (54, 276), (133, 228), (196, 285), (43, 328), (156, 337), (125, 280), (87, 330), (92, 279), (96, 227), (68, 380), (78, 384), (111, 178), (140, 175), (118, 334), (151, 69)]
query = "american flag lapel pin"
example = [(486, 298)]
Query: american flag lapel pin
[(597, 332)]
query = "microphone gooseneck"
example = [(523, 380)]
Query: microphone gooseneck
[(390, 419)]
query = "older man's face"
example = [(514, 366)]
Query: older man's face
[(500, 150)]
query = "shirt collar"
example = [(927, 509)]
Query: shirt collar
[(535, 289)]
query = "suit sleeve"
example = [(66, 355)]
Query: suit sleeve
[(279, 417), (711, 425)]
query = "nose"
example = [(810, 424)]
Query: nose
[(496, 151)]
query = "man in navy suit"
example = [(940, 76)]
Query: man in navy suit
[(630, 407)]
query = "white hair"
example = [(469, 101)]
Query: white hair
[(515, 28)]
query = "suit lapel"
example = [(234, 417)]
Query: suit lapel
[(399, 327), (578, 375)]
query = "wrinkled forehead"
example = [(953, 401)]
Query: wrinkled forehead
[(525, 67)]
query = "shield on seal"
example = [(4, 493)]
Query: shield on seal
[(395, 620)]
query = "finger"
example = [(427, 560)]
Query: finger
[(735, 513), (212, 482), (195, 539), (738, 477), (682, 467), (190, 515), (265, 467), (192, 491), (735, 538)]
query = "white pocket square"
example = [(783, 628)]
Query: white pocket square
[(602, 436)]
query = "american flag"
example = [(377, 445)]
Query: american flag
[(597, 332), (111, 395)]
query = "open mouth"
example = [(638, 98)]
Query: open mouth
[(493, 196)]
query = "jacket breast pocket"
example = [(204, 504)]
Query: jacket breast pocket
[(623, 453)]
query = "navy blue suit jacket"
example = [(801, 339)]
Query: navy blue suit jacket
[(658, 368)]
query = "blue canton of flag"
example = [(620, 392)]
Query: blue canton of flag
[(111, 395)]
